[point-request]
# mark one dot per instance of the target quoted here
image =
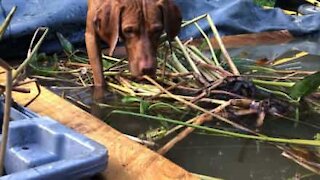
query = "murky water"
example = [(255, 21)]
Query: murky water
[(223, 157), (232, 158)]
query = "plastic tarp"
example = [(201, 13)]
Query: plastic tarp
[(68, 18), (64, 16), (284, 50)]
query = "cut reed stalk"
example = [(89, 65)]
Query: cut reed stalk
[(6, 119), (225, 53), (31, 53), (7, 21), (213, 54), (196, 121), (187, 56)]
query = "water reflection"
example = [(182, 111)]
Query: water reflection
[(98, 96)]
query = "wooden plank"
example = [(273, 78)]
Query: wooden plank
[(236, 41), (127, 159)]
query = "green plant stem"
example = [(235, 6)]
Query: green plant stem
[(279, 93), (227, 133), (273, 83), (200, 54), (177, 64)]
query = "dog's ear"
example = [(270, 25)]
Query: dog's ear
[(171, 18), (107, 21)]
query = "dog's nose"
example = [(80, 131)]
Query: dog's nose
[(148, 71), (147, 67)]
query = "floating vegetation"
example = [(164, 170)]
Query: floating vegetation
[(194, 80)]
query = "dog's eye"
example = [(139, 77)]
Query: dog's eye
[(157, 29), (129, 31)]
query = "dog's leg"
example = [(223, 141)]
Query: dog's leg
[(94, 53)]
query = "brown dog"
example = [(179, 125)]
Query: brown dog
[(139, 23)]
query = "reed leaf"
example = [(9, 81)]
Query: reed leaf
[(65, 43), (306, 86)]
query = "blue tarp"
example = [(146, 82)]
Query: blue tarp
[(68, 18)]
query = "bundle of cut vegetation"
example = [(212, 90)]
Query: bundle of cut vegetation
[(204, 83)]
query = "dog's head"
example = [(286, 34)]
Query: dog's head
[(139, 23)]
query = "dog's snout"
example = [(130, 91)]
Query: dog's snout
[(147, 67)]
